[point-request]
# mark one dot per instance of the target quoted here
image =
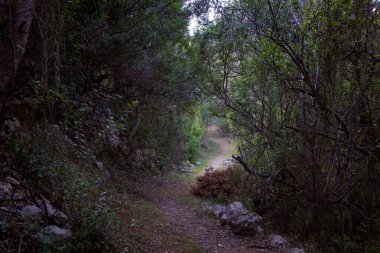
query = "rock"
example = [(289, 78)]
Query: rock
[(99, 165), (56, 216), (206, 206), (229, 162), (247, 224), (12, 181), (277, 241), (145, 158), (12, 125), (260, 231), (233, 211), (241, 221), (31, 212), (5, 188), (20, 194), (209, 169), (218, 210), (36, 213), (52, 234), (295, 250), (113, 137), (186, 167)]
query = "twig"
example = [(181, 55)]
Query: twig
[(19, 245)]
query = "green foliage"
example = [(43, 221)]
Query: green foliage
[(286, 78), (50, 168), (193, 129)]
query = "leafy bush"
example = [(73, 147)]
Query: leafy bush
[(193, 130), (48, 163)]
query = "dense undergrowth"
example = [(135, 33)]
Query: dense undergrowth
[(48, 165), (98, 189)]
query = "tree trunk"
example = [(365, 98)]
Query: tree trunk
[(12, 51)]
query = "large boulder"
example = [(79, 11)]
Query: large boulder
[(51, 234), (247, 224), (233, 211), (277, 241), (240, 220)]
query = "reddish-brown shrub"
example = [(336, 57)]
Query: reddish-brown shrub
[(214, 182)]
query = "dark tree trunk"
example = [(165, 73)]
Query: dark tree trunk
[(12, 51)]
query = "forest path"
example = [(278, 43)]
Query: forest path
[(184, 211), (225, 147)]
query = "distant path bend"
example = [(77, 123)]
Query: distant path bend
[(225, 147)]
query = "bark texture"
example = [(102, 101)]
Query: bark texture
[(12, 50)]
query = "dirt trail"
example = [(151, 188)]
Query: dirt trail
[(187, 217), (224, 144)]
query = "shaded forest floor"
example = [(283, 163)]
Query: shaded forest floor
[(166, 217)]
